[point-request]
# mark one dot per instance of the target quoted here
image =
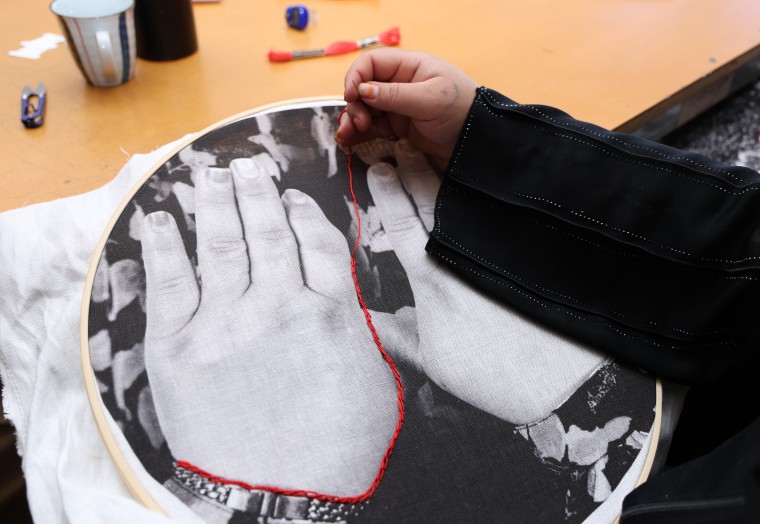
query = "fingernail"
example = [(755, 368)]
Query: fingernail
[(217, 175), (247, 168), (355, 120), (368, 91), (384, 172), (296, 197), (159, 220)]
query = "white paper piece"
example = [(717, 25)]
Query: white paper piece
[(33, 49)]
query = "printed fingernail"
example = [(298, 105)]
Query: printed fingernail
[(218, 175), (368, 91), (383, 171), (159, 220), (296, 197), (247, 168)]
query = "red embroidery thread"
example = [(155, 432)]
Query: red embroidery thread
[(391, 364)]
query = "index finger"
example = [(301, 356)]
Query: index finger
[(383, 65)]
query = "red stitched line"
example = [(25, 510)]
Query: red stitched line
[(391, 364)]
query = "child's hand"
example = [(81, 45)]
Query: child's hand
[(408, 95)]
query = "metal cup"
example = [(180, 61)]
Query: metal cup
[(101, 36)]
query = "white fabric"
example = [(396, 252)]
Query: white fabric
[(45, 253)]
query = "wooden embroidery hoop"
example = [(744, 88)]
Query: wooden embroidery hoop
[(105, 424)]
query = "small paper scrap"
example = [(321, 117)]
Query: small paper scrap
[(33, 49)]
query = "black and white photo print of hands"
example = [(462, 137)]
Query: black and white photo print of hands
[(266, 372), (470, 345)]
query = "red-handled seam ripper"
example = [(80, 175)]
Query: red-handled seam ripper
[(390, 37)]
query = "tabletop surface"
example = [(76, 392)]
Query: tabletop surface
[(604, 61)]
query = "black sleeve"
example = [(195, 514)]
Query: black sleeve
[(645, 251)]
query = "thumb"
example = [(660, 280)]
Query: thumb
[(399, 334), (416, 100)]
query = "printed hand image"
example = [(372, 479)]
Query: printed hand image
[(225, 333)]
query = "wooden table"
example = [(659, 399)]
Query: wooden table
[(618, 63)]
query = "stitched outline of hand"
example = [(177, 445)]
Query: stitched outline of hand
[(266, 373)]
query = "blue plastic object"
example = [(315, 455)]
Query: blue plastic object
[(297, 16)]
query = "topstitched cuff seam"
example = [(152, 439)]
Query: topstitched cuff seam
[(587, 307), (575, 316), (465, 137), (597, 146), (714, 274), (438, 230), (586, 130)]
